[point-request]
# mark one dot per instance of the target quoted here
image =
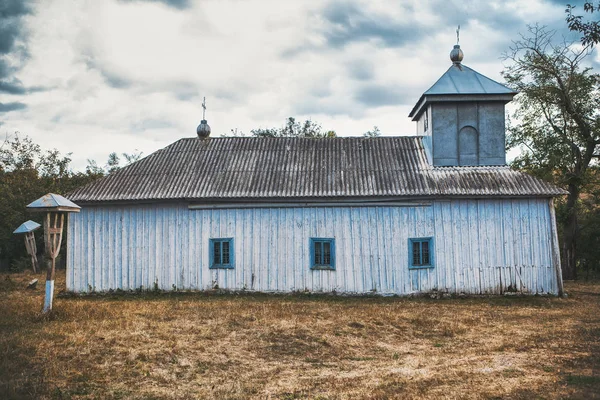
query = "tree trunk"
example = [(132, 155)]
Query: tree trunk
[(570, 232)]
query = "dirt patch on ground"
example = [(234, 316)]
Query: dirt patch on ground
[(170, 346)]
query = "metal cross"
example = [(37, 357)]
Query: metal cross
[(204, 107), (458, 34)]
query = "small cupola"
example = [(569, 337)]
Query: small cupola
[(203, 130), (461, 117)]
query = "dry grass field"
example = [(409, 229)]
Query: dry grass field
[(192, 345)]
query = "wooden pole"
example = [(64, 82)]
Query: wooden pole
[(556, 250), (31, 250), (53, 228)]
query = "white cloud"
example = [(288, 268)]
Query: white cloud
[(131, 75)]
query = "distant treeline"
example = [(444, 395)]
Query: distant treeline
[(27, 172)]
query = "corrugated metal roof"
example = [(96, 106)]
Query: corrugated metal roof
[(271, 168), (460, 79)]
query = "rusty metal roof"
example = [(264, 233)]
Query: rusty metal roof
[(302, 168)]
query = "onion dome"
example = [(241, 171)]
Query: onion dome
[(203, 130), (456, 55)]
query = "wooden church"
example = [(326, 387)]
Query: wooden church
[(439, 211)]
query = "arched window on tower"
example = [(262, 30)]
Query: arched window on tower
[(468, 145)]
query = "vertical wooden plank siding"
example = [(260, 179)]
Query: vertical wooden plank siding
[(479, 246)]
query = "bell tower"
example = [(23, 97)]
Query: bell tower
[(461, 117)]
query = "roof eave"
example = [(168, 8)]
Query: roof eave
[(312, 201), (55, 209), (426, 99)]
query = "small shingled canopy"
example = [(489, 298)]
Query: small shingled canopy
[(55, 207), (27, 228), (53, 203)]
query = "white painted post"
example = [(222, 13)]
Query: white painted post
[(49, 296), (53, 238)]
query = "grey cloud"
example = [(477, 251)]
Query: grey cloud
[(308, 107), (361, 70), (177, 4), (346, 23), (12, 44), (381, 95), (321, 90), (577, 3), (15, 86), (349, 23), (7, 107), (293, 51), (181, 90), (57, 118), (147, 124), (114, 80), (11, 12)]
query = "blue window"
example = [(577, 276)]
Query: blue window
[(420, 252), (322, 253), (221, 253)]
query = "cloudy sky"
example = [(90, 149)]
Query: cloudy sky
[(95, 76)]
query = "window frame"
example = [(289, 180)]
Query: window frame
[(429, 240), (322, 267), (211, 253)]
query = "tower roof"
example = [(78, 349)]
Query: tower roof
[(460, 79), (461, 83)]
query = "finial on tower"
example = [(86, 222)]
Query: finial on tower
[(456, 55), (203, 130)]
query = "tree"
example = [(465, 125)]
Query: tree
[(375, 132), (559, 130), (292, 128), (113, 163), (588, 245), (590, 30), (27, 172)]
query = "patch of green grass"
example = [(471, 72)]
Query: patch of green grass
[(361, 358), (577, 380), (512, 372), (356, 325)]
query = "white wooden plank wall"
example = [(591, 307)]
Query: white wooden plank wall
[(481, 246)]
